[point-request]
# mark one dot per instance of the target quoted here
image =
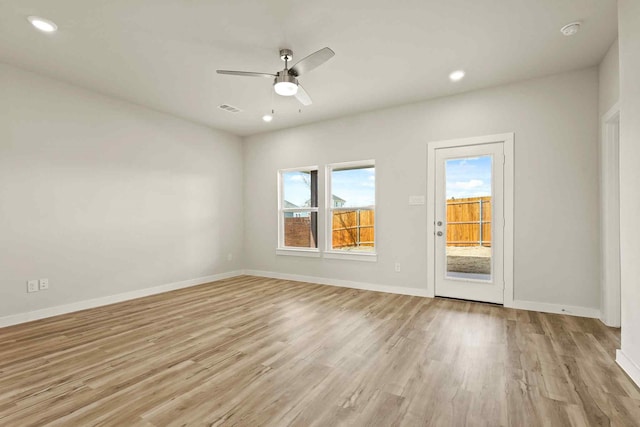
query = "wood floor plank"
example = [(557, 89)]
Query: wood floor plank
[(250, 351)]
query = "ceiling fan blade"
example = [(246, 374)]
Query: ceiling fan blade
[(245, 73), (303, 96), (312, 61)]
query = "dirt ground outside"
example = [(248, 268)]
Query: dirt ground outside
[(473, 259)]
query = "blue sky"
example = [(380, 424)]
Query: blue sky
[(297, 187), (356, 186), (469, 177)]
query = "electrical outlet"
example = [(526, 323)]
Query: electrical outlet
[(44, 284), (32, 286), (397, 267)]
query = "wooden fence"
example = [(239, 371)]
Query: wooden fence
[(469, 221), (353, 228), (468, 224)]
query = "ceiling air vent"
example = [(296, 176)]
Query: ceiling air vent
[(229, 108)]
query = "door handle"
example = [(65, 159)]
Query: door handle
[(439, 233)]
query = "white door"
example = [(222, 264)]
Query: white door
[(469, 222)]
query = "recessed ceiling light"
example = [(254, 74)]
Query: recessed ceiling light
[(571, 28), (267, 118), (42, 24), (456, 76)]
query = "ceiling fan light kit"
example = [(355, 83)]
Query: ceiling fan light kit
[(285, 82)]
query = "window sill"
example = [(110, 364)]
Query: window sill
[(314, 253), (352, 256)]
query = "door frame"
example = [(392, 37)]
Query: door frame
[(610, 217), (508, 195)]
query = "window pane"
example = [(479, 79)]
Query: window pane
[(353, 230), (469, 217), (299, 190), (353, 187), (298, 187), (300, 229)]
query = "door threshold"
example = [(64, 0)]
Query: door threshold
[(495, 304)]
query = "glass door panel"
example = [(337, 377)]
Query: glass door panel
[(468, 217)]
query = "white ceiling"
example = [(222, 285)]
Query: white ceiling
[(163, 53)]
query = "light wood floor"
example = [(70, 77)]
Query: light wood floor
[(250, 351)]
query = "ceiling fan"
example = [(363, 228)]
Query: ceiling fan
[(285, 82)]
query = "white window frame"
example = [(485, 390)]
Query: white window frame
[(329, 252), (290, 250)]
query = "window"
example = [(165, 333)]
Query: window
[(298, 209), (351, 199)]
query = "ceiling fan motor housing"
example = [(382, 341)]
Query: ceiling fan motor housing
[(284, 76)]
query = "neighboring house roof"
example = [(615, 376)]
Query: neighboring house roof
[(336, 200), (288, 204)]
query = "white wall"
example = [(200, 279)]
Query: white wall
[(555, 120), (629, 36), (609, 79), (103, 197)]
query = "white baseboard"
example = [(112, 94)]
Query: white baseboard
[(522, 305), (340, 283), (628, 366), (15, 319), (112, 299), (556, 308)]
